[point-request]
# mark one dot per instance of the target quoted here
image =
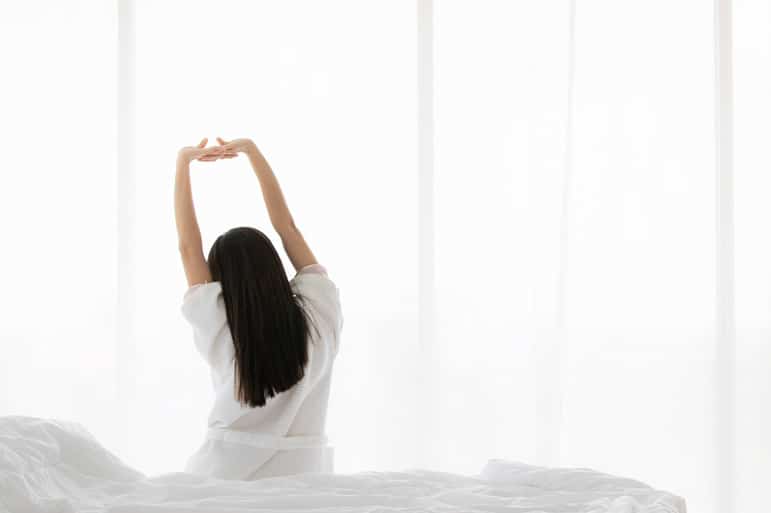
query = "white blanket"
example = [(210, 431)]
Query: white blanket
[(57, 466)]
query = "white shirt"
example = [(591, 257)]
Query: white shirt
[(286, 436)]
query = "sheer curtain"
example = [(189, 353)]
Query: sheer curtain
[(57, 205), (577, 292), (538, 254)]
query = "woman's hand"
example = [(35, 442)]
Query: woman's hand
[(236, 145), (204, 154)]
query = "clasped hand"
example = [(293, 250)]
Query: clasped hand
[(225, 150)]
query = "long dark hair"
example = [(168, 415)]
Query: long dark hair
[(268, 322)]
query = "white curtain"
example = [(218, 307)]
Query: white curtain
[(519, 201)]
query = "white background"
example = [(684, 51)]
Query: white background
[(574, 320)]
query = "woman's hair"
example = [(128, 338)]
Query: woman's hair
[(267, 321)]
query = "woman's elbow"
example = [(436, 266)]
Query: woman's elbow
[(189, 249)]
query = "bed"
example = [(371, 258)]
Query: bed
[(54, 466)]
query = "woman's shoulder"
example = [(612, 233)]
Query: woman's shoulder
[(315, 286), (201, 300), (314, 280), (313, 277), (312, 269), (203, 306)]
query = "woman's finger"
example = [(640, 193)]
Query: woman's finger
[(218, 155), (222, 141), (203, 142)]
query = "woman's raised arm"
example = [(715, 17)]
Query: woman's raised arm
[(294, 244), (188, 233)]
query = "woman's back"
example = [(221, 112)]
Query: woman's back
[(287, 434)]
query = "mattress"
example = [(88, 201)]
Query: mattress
[(53, 466)]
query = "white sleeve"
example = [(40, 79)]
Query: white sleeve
[(314, 284), (204, 308)]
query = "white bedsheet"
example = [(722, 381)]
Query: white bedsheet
[(57, 466)]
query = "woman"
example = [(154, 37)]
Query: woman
[(270, 342)]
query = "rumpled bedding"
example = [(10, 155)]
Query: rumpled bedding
[(56, 466)]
